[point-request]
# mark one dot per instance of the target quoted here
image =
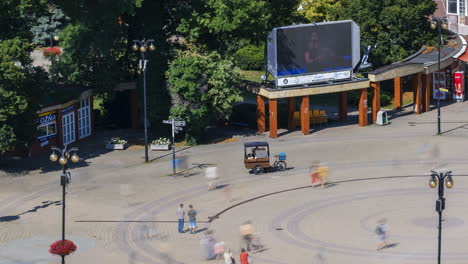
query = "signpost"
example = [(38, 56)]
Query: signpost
[(176, 127)]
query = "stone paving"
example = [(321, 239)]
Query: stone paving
[(120, 210)]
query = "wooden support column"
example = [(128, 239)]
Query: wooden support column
[(398, 100), (273, 109), (363, 108), (343, 106), (305, 121), (260, 114), (417, 84), (427, 92), (375, 100), (291, 110)]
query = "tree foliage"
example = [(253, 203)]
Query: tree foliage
[(204, 88), (318, 10), (48, 24), (399, 27), (20, 87)]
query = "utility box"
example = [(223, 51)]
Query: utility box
[(382, 118)]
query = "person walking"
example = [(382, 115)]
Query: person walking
[(192, 215), (228, 258), (323, 175), (244, 257), (181, 217), (381, 231), (246, 231)]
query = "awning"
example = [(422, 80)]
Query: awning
[(464, 56)]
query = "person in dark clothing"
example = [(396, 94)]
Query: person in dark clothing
[(192, 215)]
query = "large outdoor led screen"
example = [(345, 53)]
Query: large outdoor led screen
[(313, 48)]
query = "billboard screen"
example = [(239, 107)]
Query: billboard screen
[(303, 50), (311, 53)]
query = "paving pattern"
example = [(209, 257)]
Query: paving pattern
[(122, 211)]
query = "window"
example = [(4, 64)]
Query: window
[(84, 118), (461, 7), (452, 6), (68, 128), (47, 130)]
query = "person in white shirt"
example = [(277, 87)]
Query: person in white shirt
[(181, 216), (228, 258)]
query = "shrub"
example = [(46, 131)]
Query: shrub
[(51, 52), (250, 57)]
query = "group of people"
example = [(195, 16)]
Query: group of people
[(192, 216), (318, 174)]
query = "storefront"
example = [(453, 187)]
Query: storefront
[(64, 124)]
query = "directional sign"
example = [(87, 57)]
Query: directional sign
[(178, 128), (167, 121), (179, 123)]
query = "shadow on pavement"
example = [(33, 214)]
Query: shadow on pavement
[(45, 204)]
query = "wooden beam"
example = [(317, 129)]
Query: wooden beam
[(363, 108), (417, 85), (343, 106), (305, 122), (398, 100), (291, 110), (260, 114), (375, 100), (273, 109), (427, 92)]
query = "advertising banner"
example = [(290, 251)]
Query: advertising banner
[(438, 83), (458, 86)]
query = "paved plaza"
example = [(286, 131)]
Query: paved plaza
[(122, 211)]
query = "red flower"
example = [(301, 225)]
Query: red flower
[(51, 52), (62, 247)]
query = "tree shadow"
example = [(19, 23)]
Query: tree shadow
[(45, 204)]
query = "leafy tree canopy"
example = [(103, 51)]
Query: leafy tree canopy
[(399, 27), (204, 88), (318, 10), (48, 24)]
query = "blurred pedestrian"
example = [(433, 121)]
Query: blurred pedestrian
[(181, 165), (228, 258), (323, 175), (192, 215), (181, 217), (208, 244), (211, 174), (381, 230), (246, 231), (313, 171), (244, 257)]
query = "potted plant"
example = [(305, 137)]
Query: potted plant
[(117, 143), (62, 247), (160, 144)]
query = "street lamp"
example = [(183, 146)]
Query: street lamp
[(439, 179), (65, 154), (52, 38), (143, 46), (439, 23)]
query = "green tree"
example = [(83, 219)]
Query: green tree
[(204, 89), (399, 27), (20, 87), (318, 10), (49, 23)]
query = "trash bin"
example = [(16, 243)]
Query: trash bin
[(382, 118)]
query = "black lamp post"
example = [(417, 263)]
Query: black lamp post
[(52, 38), (439, 179), (142, 46), (439, 23), (65, 178)]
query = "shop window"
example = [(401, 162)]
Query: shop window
[(461, 7), (84, 118), (47, 130), (452, 6)]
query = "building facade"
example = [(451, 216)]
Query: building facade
[(456, 13)]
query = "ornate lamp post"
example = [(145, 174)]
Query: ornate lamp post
[(143, 46), (52, 38), (440, 179), (65, 154), (439, 23)]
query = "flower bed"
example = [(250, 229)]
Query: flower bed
[(117, 143), (160, 144), (48, 52), (62, 247)]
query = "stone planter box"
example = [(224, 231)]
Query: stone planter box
[(116, 146), (161, 147)]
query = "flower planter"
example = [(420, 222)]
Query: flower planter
[(160, 147), (116, 146)]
